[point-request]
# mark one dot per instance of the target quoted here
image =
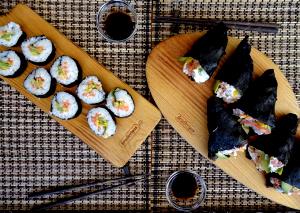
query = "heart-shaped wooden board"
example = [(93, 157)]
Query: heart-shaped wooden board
[(183, 103)]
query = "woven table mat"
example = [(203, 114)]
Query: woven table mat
[(170, 151), (36, 152)]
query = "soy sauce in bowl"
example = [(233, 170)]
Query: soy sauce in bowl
[(116, 20), (118, 25), (185, 190), (184, 186)]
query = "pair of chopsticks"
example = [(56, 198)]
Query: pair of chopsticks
[(251, 26), (125, 181)]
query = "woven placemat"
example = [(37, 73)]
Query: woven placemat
[(170, 151), (37, 153)]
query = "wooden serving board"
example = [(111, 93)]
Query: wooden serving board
[(131, 131), (183, 103)]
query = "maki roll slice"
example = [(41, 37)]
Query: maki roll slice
[(12, 64), (101, 122), (202, 60), (226, 136), (289, 181), (11, 34), (65, 106), (256, 109), (235, 75), (40, 83), (66, 71), (90, 90), (38, 50), (271, 153), (120, 102)]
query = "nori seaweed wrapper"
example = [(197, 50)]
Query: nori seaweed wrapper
[(291, 172), (209, 49), (259, 99), (225, 132), (280, 142), (237, 70)]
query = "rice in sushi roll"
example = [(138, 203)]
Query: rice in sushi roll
[(64, 106), (65, 70), (90, 90), (256, 108), (226, 135), (11, 34), (12, 64), (289, 181), (203, 58), (271, 153), (101, 122), (235, 75), (39, 83), (38, 50), (120, 102)]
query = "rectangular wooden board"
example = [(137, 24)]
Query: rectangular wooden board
[(131, 131)]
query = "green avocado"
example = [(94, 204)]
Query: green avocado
[(7, 36), (185, 59), (4, 65), (279, 171), (265, 163), (216, 86), (221, 156), (286, 187)]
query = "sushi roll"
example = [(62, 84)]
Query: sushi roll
[(40, 83), (289, 181), (271, 153), (38, 50), (12, 64), (101, 122), (120, 102), (11, 34), (226, 136), (256, 109), (65, 106), (202, 60), (90, 90), (235, 75), (66, 71)]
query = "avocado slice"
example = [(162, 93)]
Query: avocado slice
[(216, 85), (4, 65), (221, 156), (286, 187), (279, 171), (185, 59), (265, 163)]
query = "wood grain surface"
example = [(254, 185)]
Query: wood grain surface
[(183, 103), (131, 131)]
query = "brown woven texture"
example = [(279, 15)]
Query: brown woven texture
[(37, 153), (171, 152)]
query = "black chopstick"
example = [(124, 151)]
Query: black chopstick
[(252, 26), (53, 192), (81, 196)]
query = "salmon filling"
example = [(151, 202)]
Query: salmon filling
[(64, 107), (228, 93), (88, 92), (193, 68), (247, 122), (99, 121)]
